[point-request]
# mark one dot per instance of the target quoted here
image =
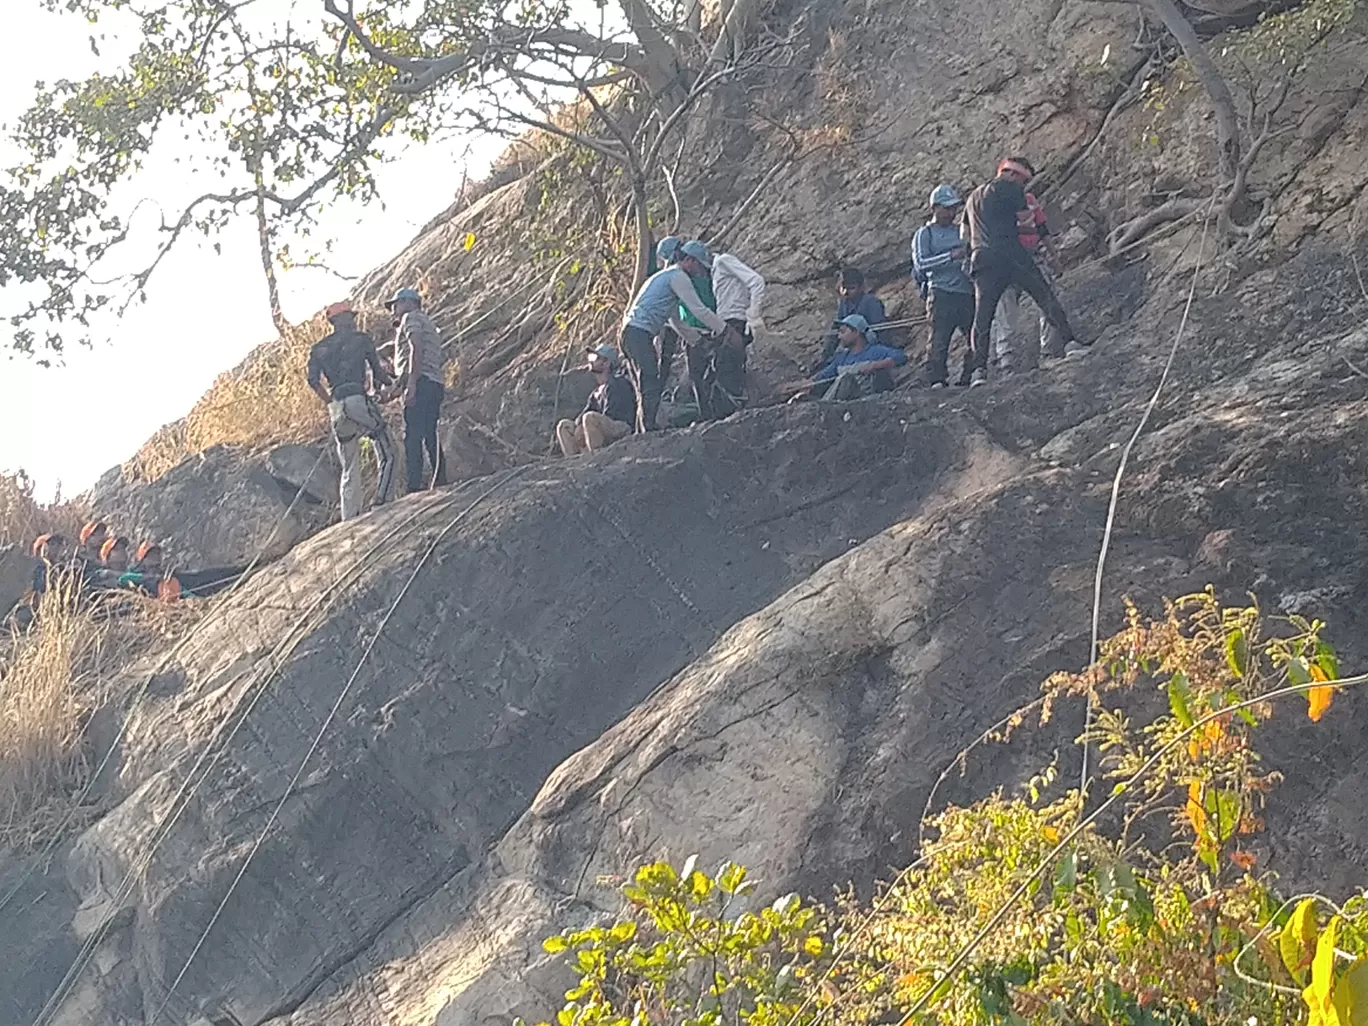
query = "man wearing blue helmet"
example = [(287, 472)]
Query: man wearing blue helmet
[(938, 254)]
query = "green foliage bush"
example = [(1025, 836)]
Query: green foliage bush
[(1025, 909)]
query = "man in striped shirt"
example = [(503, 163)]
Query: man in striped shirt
[(418, 360)]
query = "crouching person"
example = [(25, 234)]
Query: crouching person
[(342, 359), (610, 412), (857, 369)]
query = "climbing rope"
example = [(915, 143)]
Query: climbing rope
[(323, 729), (1116, 487)]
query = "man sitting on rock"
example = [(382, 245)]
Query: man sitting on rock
[(857, 369), (608, 415), (655, 307), (149, 575), (343, 359), (855, 299)]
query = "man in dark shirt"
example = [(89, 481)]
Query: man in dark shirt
[(343, 358), (608, 415), (998, 260), (855, 300)]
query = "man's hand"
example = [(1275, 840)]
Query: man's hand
[(957, 253)]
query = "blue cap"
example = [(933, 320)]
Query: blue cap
[(605, 353), (945, 196), (404, 294), (667, 249), (857, 322), (698, 251)]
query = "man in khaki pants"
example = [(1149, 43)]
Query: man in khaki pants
[(343, 358), (610, 412)]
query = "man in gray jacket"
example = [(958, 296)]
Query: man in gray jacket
[(938, 267)]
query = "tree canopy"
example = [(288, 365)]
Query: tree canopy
[(285, 112)]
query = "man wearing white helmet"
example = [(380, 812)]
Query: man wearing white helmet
[(938, 254)]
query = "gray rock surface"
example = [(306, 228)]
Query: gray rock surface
[(222, 507), (16, 576), (548, 601)]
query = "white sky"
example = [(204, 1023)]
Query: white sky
[(69, 423)]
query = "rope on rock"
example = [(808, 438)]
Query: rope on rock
[(323, 729)]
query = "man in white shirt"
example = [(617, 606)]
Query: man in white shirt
[(418, 360), (718, 365)]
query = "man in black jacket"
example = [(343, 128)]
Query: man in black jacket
[(347, 361), (608, 415), (998, 260)]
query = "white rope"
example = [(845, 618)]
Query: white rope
[(1116, 490)]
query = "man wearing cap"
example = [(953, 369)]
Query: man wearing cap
[(998, 260), (938, 254), (1014, 354), (655, 307), (418, 360), (608, 415), (858, 368), (854, 298), (718, 365), (343, 359)]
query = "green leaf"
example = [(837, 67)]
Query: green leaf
[(1327, 661), (729, 877), (1237, 652), (622, 932), (555, 945), (1066, 874), (1178, 692), (1223, 813), (814, 946), (1350, 1000), (1297, 941)]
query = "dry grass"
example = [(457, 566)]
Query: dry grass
[(23, 518), (265, 400), (53, 679)]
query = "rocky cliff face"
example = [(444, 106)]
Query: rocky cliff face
[(380, 772)]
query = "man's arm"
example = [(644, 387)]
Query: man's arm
[(379, 376), (752, 280), (410, 346), (923, 259), (884, 358), (688, 295), (315, 376)]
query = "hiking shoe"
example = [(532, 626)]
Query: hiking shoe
[(938, 384), (979, 377), (1077, 349)]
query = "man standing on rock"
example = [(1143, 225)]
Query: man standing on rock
[(342, 359), (655, 307), (1014, 353), (418, 363), (938, 267), (718, 365), (998, 260)]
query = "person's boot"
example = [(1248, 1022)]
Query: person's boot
[(979, 377)]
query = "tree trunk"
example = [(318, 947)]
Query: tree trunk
[(1227, 124), (641, 208), (660, 60)]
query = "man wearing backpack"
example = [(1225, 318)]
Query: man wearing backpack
[(938, 254)]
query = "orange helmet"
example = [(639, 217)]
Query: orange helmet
[(144, 549), (334, 309), (90, 528), (39, 542), (110, 545)]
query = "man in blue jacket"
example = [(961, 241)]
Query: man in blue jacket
[(857, 369), (938, 267)]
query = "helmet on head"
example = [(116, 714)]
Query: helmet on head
[(945, 196), (333, 310), (667, 250), (698, 251)]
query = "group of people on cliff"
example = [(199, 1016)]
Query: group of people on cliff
[(974, 262), (100, 561)]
